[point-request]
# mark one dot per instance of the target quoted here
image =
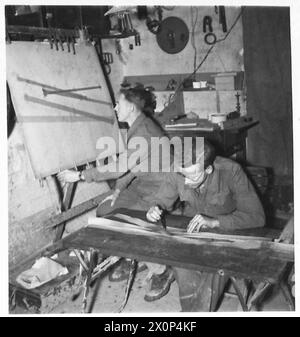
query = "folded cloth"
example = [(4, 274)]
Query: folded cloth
[(43, 270)]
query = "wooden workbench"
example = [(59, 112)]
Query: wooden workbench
[(254, 256), (261, 260)]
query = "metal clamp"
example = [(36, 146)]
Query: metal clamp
[(137, 40)]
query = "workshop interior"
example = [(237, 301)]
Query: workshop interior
[(218, 72)]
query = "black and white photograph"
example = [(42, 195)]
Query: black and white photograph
[(150, 159)]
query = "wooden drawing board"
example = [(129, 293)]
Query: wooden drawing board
[(60, 130)]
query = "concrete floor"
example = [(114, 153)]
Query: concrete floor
[(106, 297)]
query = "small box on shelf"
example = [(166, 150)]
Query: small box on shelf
[(225, 81)]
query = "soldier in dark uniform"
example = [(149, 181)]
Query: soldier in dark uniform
[(217, 194)]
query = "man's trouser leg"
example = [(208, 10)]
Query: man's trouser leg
[(196, 288)]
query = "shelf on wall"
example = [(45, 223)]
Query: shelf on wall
[(118, 36), (44, 33), (40, 32)]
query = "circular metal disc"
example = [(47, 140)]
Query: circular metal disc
[(173, 35)]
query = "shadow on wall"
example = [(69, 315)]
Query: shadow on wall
[(11, 115)]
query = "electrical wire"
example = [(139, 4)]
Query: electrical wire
[(193, 34), (172, 98)]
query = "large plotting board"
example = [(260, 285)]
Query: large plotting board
[(60, 129)]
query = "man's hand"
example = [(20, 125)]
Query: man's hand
[(68, 176), (201, 222), (154, 214)]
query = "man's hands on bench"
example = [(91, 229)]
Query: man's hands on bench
[(198, 222), (154, 214)]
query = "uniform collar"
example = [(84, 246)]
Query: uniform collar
[(141, 118)]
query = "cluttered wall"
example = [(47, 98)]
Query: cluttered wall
[(31, 201), (149, 59)]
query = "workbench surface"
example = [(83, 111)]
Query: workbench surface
[(261, 260)]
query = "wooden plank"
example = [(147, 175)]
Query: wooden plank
[(260, 261), (73, 212), (181, 221), (179, 231), (145, 228), (255, 264), (282, 251)]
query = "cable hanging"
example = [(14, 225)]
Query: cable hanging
[(172, 97)]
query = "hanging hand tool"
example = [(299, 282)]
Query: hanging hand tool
[(137, 39), (55, 41), (107, 58), (57, 92), (73, 44), (118, 46), (207, 23), (130, 23), (61, 43), (68, 43), (210, 38), (121, 23), (51, 42), (222, 18), (126, 23), (50, 39)]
